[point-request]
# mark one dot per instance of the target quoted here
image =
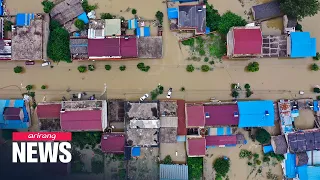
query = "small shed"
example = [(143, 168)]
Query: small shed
[(83, 17), (136, 151), (279, 144), (173, 13), (24, 19), (132, 23), (143, 31)]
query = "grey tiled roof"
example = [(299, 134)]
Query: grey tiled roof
[(173, 172), (266, 10)]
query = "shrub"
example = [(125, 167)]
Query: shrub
[(82, 68), (235, 94), (211, 62), (316, 90), (318, 97), (47, 6), (7, 26), (29, 87), (314, 67), (167, 160), (245, 153), (190, 68), (263, 136), (43, 87), (247, 86), (206, 59), (80, 24), (106, 16), (205, 68), (195, 167), (107, 67), (258, 162), (188, 42), (91, 67), (87, 8), (222, 166), (122, 68), (140, 65), (266, 159), (317, 57), (54, 24), (18, 69), (182, 89), (298, 27), (134, 11), (58, 45), (159, 16), (248, 93), (253, 67), (202, 52)]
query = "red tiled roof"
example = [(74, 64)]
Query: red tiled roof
[(196, 147), (221, 140), (128, 47), (46, 111), (195, 115), (87, 120), (221, 115), (113, 143), (104, 47), (247, 41), (182, 129)]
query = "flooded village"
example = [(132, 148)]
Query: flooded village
[(156, 90)]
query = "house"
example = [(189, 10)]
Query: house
[(266, 11), (244, 42), (113, 142), (195, 115), (221, 115), (49, 116), (79, 48), (182, 126), (108, 48), (192, 17), (279, 144), (221, 141), (29, 41), (196, 147), (112, 27), (302, 45), (307, 140), (150, 47), (128, 47), (308, 172), (66, 11), (14, 114), (88, 115), (256, 113), (173, 172), (5, 49)]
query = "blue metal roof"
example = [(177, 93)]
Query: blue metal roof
[(143, 31), (267, 149), (290, 165), (84, 18), (181, 138), (132, 23), (24, 19), (315, 106), (302, 45), (173, 172), (309, 172), (302, 172), (13, 124), (173, 13), (256, 113), (136, 151)]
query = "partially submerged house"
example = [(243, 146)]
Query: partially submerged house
[(195, 115), (49, 116), (279, 144), (101, 28), (88, 115), (168, 122), (196, 147), (266, 11), (244, 42), (221, 115), (307, 140), (221, 141), (14, 114), (113, 142), (79, 49), (150, 47), (173, 172), (302, 45)]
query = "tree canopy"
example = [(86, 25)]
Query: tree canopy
[(212, 17), (253, 67), (263, 136), (228, 20), (18, 69), (314, 67), (47, 6), (167, 160), (159, 16), (106, 16), (80, 24), (300, 8), (222, 166), (195, 167)]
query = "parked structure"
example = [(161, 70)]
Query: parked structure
[(14, 114)]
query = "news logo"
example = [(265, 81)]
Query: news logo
[(43, 147)]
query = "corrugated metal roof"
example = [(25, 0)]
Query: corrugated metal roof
[(290, 165), (302, 45), (313, 173), (173, 172), (221, 115), (267, 10)]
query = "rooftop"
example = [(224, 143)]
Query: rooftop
[(79, 48), (302, 45), (274, 46), (116, 111), (256, 113), (195, 115), (13, 114), (192, 17), (279, 144), (104, 48), (5, 49), (129, 47), (142, 111), (113, 143), (173, 172), (168, 108), (66, 11), (266, 10), (169, 122), (168, 135), (27, 41), (221, 115), (150, 47), (303, 141), (144, 124), (112, 27), (143, 137), (49, 110), (182, 127), (196, 147), (247, 41), (221, 140)]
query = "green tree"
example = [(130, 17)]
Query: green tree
[(222, 166), (263, 136), (218, 177), (167, 160), (82, 68), (245, 154), (18, 69), (80, 24), (29, 87), (188, 42), (47, 6), (206, 59), (140, 65), (212, 17), (202, 52), (54, 24), (7, 26), (107, 67), (134, 11), (317, 57), (87, 8), (182, 89), (205, 68), (195, 167), (43, 87), (106, 16), (248, 93), (58, 45), (159, 16), (91, 67), (299, 27), (314, 67), (300, 8), (122, 68), (190, 68), (247, 86), (316, 90), (253, 67), (229, 20), (211, 62), (235, 94)]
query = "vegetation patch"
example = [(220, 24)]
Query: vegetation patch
[(80, 24), (44, 87), (229, 20), (81, 139), (248, 90), (156, 92), (106, 16), (82, 69), (300, 9), (314, 67), (222, 166), (182, 89), (47, 6), (91, 67), (316, 90), (7, 25), (29, 87), (263, 136), (122, 68), (278, 157), (317, 57), (142, 67), (87, 8), (195, 167), (107, 67), (188, 42), (167, 160), (205, 68), (253, 67), (18, 69), (212, 17), (134, 11), (190, 68), (159, 16)]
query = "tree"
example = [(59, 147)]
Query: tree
[(229, 20), (222, 166), (29, 87), (107, 67), (80, 24), (300, 8), (299, 27), (188, 42), (7, 26), (18, 69), (43, 87), (140, 65), (235, 94), (106, 16), (202, 52), (122, 68), (206, 59), (317, 57), (211, 62), (182, 89), (205, 68), (54, 24), (195, 167), (263, 136), (253, 67), (87, 8), (134, 11), (314, 67), (316, 90), (212, 17), (190, 68), (247, 86), (248, 93), (82, 68), (91, 67), (167, 160), (58, 45), (159, 16), (47, 6)]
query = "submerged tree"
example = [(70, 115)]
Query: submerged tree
[(228, 20), (222, 166), (159, 16), (18, 69), (106, 16), (263, 136), (253, 67), (212, 17), (314, 67), (300, 8), (80, 24), (58, 44), (47, 6)]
